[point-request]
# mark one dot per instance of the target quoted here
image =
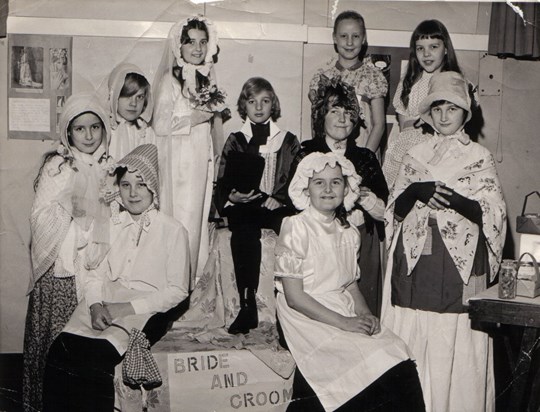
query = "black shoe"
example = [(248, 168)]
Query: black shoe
[(248, 317)]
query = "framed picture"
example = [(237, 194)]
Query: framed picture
[(39, 81)]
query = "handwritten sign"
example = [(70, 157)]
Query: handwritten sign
[(229, 380)]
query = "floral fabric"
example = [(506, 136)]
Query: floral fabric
[(470, 171)]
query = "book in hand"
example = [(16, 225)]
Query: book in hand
[(243, 171)]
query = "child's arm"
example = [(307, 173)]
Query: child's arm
[(361, 308), (300, 301), (378, 123)]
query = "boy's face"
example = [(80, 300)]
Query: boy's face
[(135, 194), (327, 189), (447, 118), (259, 107), (130, 108)]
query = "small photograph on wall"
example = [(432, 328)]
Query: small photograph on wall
[(60, 102), (27, 68), (40, 81), (59, 69)]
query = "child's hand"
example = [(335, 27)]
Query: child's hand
[(200, 116), (364, 192), (101, 318), (237, 197), (438, 201), (271, 204), (365, 324), (119, 310)]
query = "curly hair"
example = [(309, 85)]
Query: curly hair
[(332, 93)]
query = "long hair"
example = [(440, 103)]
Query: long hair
[(67, 159), (132, 84), (252, 87), (352, 15), (197, 25), (428, 29)]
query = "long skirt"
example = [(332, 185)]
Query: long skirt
[(52, 301)]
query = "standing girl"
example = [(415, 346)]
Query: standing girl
[(447, 228), (350, 43), (345, 360), (188, 103), (67, 220), (264, 207), (131, 106), (431, 51)]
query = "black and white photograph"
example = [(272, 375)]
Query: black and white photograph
[(269, 206)]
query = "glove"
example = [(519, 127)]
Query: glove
[(422, 191), (469, 209)]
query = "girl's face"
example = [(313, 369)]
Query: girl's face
[(349, 38), (430, 54), (338, 123), (259, 107), (131, 107), (194, 51), (135, 194), (327, 189), (86, 132), (447, 118)]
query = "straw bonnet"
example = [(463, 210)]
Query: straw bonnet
[(449, 86)]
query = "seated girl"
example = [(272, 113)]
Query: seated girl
[(345, 360), (335, 114), (144, 275)]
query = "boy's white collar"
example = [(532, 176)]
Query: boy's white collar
[(246, 129)]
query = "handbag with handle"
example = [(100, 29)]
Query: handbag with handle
[(528, 276), (528, 222)]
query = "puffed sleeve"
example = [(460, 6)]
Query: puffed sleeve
[(378, 85), (291, 249)]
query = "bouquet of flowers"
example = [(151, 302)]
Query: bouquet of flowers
[(210, 98)]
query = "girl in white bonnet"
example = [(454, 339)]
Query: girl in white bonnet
[(67, 219), (345, 360), (187, 115), (446, 226)]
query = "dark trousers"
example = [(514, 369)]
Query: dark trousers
[(245, 223), (79, 375), (397, 390)]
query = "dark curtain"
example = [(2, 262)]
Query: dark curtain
[(513, 35)]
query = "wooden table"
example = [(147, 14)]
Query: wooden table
[(521, 311)]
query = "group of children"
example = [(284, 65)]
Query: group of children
[(129, 195)]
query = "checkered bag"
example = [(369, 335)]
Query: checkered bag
[(139, 366)]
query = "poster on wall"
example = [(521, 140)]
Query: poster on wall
[(39, 81)]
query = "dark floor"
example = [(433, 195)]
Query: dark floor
[(10, 382), (506, 340)]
